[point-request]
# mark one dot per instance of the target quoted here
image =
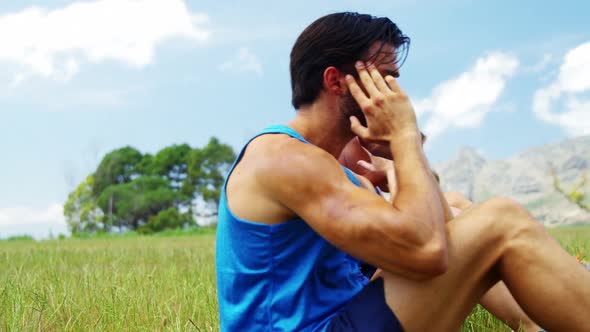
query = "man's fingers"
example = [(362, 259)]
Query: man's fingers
[(378, 79), (358, 128), (366, 79), (393, 85), (367, 166), (356, 91)]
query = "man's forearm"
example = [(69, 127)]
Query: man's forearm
[(418, 194)]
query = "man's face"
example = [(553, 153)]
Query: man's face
[(384, 56)]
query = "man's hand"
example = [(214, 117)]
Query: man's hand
[(387, 107), (380, 171), (380, 149), (376, 169)]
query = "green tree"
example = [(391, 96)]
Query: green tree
[(131, 190), (117, 167), (207, 169), (129, 205), (81, 211), (145, 165), (165, 219), (170, 163)]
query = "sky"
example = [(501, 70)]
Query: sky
[(81, 78)]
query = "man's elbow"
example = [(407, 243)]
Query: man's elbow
[(426, 263), (437, 257), (433, 248), (428, 255), (433, 260)]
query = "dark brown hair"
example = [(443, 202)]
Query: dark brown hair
[(338, 40)]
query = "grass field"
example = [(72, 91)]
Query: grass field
[(137, 283)]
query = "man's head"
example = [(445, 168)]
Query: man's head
[(338, 41)]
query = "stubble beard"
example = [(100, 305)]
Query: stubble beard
[(349, 107)]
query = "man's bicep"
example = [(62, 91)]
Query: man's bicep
[(309, 185), (321, 193), (313, 185)]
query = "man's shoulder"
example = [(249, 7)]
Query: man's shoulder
[(276, 171), (281, 152), (280, 161)]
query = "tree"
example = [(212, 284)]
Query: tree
[(131, 204), (131, 190), (207, 169), (165, 219), (81, 211), (117, 167), (171, 163)]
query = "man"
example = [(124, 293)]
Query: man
[(294, 225)]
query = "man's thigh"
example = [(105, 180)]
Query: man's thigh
[(441, 304)]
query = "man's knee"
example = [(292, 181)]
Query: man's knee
[(511, 217), (505, 207), (457, 200)]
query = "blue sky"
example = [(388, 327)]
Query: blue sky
[(82, 78)]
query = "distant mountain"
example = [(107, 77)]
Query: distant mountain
[(525, 177)]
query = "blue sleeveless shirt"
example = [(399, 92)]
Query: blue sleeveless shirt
[(282, 277)]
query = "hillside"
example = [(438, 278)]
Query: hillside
[(525, 177)]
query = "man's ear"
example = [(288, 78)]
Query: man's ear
[(334, 81)]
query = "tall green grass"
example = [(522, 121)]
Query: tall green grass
[(136, 283), (111, 284)]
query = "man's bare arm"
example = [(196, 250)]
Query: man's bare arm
[(390, 118), (310, 182)]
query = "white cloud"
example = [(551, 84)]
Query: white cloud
[(54, 43), (244, 61), (465, 100), (571, 88), (38, 223)]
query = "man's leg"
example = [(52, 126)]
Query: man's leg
[(500, 303), (498, 300), (498, 240)]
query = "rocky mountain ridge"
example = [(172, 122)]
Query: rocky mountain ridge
[(525, 177)]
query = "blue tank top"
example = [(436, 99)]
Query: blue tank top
[(281, 277)]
